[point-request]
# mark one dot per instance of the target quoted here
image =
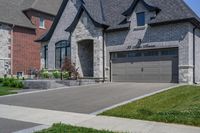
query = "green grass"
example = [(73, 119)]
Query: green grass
[(180, 105), (61, 128), (7, 90)]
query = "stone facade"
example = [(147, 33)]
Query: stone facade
[(85, 30), (172, 35), (5, 49), (197, 54), (60, 33), (82, 32)]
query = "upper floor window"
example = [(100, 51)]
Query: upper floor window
[(42, 23), (61, 52), (140, 19)]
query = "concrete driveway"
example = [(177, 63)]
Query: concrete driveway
[(85, 99)]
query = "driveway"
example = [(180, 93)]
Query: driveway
[(9, 126), (85, 99)]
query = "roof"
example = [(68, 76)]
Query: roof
[(12, 11), (114, 12), (47, 6)]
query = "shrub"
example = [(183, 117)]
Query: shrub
[(12, 82), (65, 75), (56, 74), (70, 68), (45, 74), (6, 82), (19, 84), (1, 80)]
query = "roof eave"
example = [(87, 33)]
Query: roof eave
[(29, 9), (28, 27)]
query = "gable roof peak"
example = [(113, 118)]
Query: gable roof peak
[(149, 7)]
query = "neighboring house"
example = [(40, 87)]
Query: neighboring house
[(21, 23), (126, 40)]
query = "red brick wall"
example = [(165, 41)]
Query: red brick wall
[(26, 52)]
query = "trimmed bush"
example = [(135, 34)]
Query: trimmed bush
[(12, 82), (56, 74), (45, 74)]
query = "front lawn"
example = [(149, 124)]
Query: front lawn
[(10, 86), (7, 90), (61, 128), (179, 105)]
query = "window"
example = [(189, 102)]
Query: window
[(126, 54), (42, 23), (121, 55), (61, 52), (19, 74), (140, 19), (151, 53), (169, 52), (135, 54), (46, 56)]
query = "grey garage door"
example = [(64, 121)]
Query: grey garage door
[(145, 66)]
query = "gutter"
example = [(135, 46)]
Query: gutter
[(194, 54)]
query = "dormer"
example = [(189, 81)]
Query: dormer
[(140, 13)]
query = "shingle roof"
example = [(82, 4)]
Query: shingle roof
[(172, 10), (111, 12), (11, 11), (47, 6)]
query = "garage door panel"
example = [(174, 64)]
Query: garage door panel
[(146, 69), (135, 78), (151, 64)]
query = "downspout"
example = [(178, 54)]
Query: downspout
[(103, 55), (194, 54)]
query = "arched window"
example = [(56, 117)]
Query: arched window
[(62, 51)]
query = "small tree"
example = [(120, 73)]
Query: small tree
[(70, 67)]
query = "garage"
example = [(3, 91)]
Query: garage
[(146, 66)]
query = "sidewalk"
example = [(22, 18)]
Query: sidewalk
[(49, 117)]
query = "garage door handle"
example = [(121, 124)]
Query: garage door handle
[(142, 69)]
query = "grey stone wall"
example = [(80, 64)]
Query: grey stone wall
[(197, 58), (5, 49), (60, 33), (85, 30), (82, 32)]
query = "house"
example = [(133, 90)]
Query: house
[(21, 23), (126, 40)]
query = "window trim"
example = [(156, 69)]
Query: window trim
[(137, 19)]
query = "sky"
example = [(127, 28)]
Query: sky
[(195, 5)]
